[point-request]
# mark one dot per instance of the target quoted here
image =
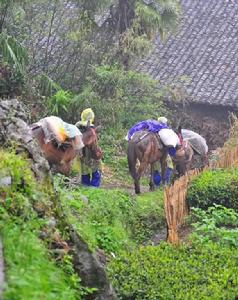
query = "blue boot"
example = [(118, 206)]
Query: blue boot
[(85, 179), (96, 179), (157, 178)]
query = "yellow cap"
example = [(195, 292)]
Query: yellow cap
[(87, 115)]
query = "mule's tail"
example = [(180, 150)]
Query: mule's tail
[(132, 159)]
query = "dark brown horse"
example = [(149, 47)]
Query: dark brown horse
[(144, 149), (61, 155)]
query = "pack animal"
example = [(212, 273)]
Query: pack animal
[(61, 155), (183, 159), (144, 149)]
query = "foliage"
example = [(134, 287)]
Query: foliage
[(59, 103), (47, 86), (120, 98), (185, 272), (13, 53), (11, 81), (218, 224), (25, 211), (161, 17), (29, 272), (214, 186), (111, 219)]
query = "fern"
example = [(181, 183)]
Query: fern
[(13, 53)]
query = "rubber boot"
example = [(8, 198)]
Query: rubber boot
[(96, 179)]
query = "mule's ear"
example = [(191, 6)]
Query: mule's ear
[(98, 128)]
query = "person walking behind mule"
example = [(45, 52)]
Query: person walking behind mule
[(91, 168)]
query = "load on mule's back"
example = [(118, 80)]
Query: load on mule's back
[(148, 142)]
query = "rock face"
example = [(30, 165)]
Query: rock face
[(91, 271), (15, 132)]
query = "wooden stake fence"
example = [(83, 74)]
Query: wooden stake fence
[(176, 208)]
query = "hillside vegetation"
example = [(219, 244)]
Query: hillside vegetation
[(65, 241)]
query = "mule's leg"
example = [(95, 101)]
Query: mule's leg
[(139, 172), (151, 184), (137, 186), (163, 164)]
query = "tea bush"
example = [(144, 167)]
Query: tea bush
[(214, 186), (218, 224), (166, 273)]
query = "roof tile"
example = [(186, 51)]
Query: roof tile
[(205, 49)]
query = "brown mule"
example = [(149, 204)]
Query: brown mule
[(61, 155), (144, 149)]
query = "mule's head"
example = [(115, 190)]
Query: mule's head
[(183, 158), (180, 161), (90, 140)]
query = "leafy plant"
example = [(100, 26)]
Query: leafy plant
[(214, 187), (29, 272), (60, 102), (166, 272), (13, 53), (218, 224)]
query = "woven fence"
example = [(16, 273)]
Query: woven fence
[(176, 207)]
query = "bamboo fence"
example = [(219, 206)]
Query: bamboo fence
[(176, 207)]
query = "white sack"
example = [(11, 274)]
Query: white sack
[(169, 137)]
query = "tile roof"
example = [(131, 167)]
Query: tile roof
[(205, 49)]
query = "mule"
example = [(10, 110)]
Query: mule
[(144, 149), (61, 155), (184, 158)]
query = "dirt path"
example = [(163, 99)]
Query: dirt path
[(1, 271)]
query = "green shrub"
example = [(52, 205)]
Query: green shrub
[(16, 195), (30, 274), (60, 102), (165, 272), (218, 224), (214, 187)]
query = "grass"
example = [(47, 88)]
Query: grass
[(113, 220), (30, 274)]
